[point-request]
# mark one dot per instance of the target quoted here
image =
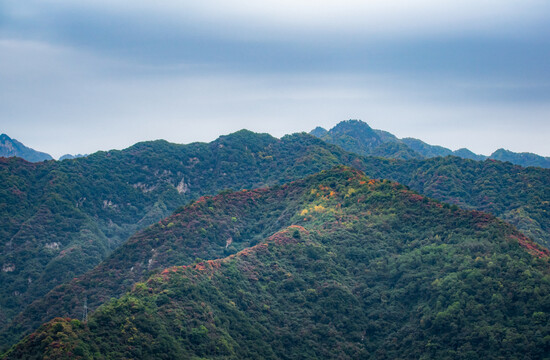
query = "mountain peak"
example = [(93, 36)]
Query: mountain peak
[(352, 135), (351, 124), (318, 131), (11, 147)]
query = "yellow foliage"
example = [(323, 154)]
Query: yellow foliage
[(304, 212), (319, 208)]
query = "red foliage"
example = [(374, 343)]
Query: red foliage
[(16, 191), (531, 247), (416, 197), (209, 266)]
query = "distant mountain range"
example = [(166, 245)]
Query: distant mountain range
[(10, 147), (358, 137), (352, 135)]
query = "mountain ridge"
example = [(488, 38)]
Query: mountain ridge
[(98, 210), (11, 147), (358, 143), (356, 264)]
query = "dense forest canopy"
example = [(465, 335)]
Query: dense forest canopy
[(334, 266), (60, 219)]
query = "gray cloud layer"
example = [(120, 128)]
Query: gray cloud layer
[(90, 75)]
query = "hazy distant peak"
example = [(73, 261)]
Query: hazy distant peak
[(70, 156), (318, 131), (11, 147)]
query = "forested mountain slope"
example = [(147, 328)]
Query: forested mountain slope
[(357, 136), (60, 219), (524, 159), (334, 266)]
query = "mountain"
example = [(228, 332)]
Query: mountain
[(426, 150), (357, 136), (394, 150), (523, 159), (10, 147), (61, 219), (334, 266), (467, 154), (384, 135), (318, 132), (69, 156)]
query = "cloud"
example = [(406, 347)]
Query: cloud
[(61, 100), (79, 76), (370, 17), (298, 22), (470, 38)]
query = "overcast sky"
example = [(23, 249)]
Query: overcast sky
[(81, 76)]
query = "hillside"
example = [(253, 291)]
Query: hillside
[(525, 159), (516, 194), (60, 219), (334, 266), (10, 147)]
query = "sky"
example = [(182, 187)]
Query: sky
[(81, 76)]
